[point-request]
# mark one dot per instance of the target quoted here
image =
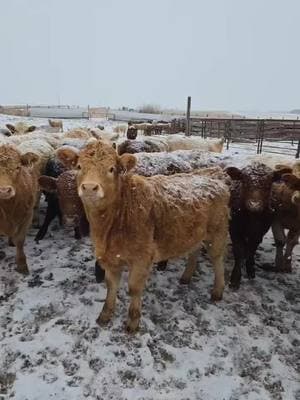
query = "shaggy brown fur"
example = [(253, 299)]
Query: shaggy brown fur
[(285, 201), (136, 221), (70, 204), (18, 191)]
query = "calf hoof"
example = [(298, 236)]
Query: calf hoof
[(104, 318), (133, 320), (279, 265), (216, 295), (39, 236), (287, 267), (105, 315), (162, 265), (235, 285), (99, 273), (11, 243), (132, 327), (184, 281), (22, 269), (251, 273), (77, 235)]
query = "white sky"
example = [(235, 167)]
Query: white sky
[(226, 54)]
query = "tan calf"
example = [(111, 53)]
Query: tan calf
[(136, 221), (56, 124), (18, 191)]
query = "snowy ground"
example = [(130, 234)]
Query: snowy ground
[(245, 347)]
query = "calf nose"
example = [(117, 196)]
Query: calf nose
[(254, 205), (90, 187), (6, 191)]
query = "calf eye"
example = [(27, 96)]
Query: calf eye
[(111, 170)]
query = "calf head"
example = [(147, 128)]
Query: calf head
[(293, 183), (11, 165), (255, 183), (20, 128), (99, 171), (66, 189)]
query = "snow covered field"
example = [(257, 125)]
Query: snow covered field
[(247, 347)]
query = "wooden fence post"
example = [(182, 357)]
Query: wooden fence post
[(260, 131), (298, 150), (227, 132), (188, 117)]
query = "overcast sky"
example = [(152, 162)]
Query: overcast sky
[(226, 54)]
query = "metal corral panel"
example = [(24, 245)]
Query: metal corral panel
[(59, 112)]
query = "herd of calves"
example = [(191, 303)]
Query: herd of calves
[(146, 208)]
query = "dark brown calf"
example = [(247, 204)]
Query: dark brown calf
[(285, 201), (251, 215), (70, 205)]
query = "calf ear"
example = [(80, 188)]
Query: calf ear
[(280, 171), (11, 128), (47, 183), (68, 157), (234, 173), (28, 159), (127, 162), (31, 128), (291, 181)]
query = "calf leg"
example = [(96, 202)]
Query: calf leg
[(216, 253), (77, 233), (20, 255), (238, 248), (292, 240), (112, 279), (137, 280), (36, 212), (99, 272), (280, 240), (162, 265), (190, 268), (51, 213), (250, 260)]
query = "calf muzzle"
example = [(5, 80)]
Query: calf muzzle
[(7, 192), (255, 205), (91, 189)]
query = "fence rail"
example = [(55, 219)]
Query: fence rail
[(259, 131)]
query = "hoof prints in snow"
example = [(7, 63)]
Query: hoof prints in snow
[(245, 347)]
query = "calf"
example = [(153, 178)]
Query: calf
[(60, 189), (132, 132), (251, 215), (18, 191), (136, 221), (56, 124), (20, 128), (63, 200), (138, 146), (285, 201), (53, 169)]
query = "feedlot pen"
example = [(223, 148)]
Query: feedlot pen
[(261, 135)]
